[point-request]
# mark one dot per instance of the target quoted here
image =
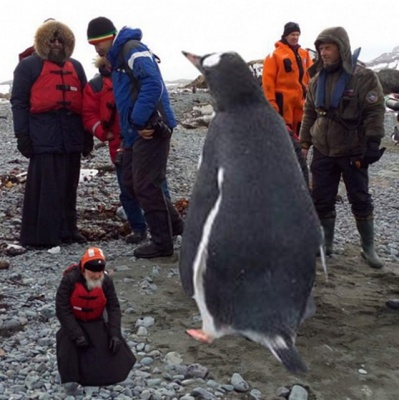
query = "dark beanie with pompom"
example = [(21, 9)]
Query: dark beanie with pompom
[(100, 29)]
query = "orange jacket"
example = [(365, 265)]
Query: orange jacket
[(285, 78)]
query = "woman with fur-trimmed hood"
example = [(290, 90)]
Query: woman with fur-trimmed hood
[(46, 103)]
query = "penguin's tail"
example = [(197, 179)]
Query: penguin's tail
[(282, 346), (290, 358)]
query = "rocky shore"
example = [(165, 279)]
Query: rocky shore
[(351, 344)]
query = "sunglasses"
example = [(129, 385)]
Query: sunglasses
[(59, 40)]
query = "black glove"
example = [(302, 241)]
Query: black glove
[(373, 151), (88, 144), (114, 344), (81, 342), (24, 145)]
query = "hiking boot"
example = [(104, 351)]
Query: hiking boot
[(161, 236), (151, 250), (136, 237)]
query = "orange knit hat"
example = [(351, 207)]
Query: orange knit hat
[(93, 259)]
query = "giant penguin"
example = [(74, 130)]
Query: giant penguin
[(251, 235)]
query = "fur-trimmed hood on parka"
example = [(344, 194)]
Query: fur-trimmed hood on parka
[(339, 36), (48, 31)]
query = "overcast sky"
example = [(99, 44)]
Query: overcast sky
[(250, 27)]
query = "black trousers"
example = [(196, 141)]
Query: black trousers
[(144, 170), (326, 175)]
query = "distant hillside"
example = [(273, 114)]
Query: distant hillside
[(387, 68), (385, 60), (177, 82)]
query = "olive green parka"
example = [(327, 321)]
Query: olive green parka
[(342, 131)]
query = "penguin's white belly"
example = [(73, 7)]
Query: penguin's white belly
[(200, 265)]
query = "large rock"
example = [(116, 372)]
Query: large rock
[(389, 79)]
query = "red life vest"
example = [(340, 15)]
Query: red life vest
[(87, 305), (108, 107), (56, 87)]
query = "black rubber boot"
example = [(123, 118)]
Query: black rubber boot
[(366, 230), (328, 225), (175, 219), (161, 244)]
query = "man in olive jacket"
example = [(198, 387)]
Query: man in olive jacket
[(344, 122)]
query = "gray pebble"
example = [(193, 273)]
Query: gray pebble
[(239, 383), (298, 393)]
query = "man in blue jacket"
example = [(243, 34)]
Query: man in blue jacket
[(147, 121)]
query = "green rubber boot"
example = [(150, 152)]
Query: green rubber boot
[(366, 230), (328, 225)]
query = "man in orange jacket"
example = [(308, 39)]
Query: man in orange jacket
[(285, 76)]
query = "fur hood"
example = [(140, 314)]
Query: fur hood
[(100, 62), (48, 31), (339, 36)]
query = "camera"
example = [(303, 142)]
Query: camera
[(160, 128), (119, 154)]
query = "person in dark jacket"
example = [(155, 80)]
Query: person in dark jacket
[(90, 350), (100, 117), (344, 122), (147, 121), (46, 102)]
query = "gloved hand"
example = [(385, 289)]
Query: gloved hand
[(88, 144), (81, 342), (114, 344), (24, 145), (373, 152)]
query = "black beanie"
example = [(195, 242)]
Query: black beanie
[(290, 27), (100, 29)]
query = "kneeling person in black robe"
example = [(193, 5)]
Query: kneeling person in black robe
[(90, 350)]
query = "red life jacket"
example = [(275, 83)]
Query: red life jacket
[(87, 305), (107, 108), (56, 87)]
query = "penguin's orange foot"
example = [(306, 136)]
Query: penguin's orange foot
[(200, 335)]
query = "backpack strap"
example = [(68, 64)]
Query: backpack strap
[(123, 66)]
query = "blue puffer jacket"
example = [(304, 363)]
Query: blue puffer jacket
[(140, 91)]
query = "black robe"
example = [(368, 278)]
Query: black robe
[(94, 365), (49, 210)]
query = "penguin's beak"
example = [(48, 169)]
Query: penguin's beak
[(195, 60)]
